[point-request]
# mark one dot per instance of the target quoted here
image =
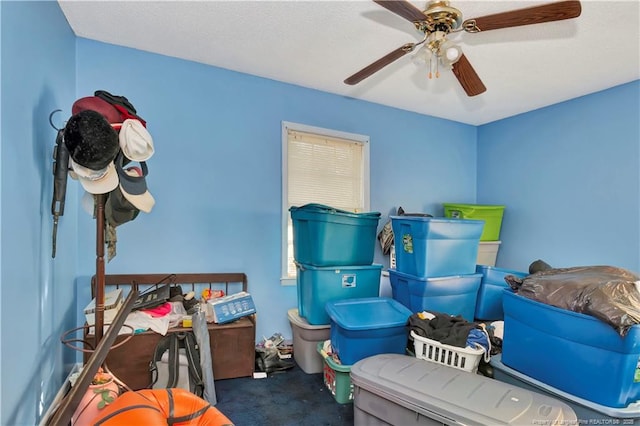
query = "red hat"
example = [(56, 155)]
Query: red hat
[(95, 103)]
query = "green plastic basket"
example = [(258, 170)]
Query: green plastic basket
[(337, 378), (491, 214)]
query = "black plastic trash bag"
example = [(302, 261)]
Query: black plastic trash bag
[(608, 293)]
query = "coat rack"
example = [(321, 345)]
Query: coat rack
[(60, 171), (100, 229), (103, 341)]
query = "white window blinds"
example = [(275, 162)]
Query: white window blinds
[(325, 170)]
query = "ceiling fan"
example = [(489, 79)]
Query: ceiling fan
[(440, 19)]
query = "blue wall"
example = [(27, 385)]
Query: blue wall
[(216, 179), (37, 300), (569, 175), (216, 171)]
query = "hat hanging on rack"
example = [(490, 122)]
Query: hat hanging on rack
[(94, 103), (90, 140), (135, 141), (93, 145), (118, 210), (133, 184), (122, 104), (95, 181)]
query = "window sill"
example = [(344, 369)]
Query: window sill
[(288, 282)]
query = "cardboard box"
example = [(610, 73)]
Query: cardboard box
[(230, 308), (112, 302)]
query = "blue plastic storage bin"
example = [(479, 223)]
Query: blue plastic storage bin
[(436, 247), (489, 303), (575, 353), (453, 295), (364, 327), (319, 285), (588, 413), (324, 236), (399, 283)]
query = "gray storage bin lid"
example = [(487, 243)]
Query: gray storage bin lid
[(296, 319), (467, 398)]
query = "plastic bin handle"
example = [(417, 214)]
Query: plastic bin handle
[(321, 351), (456, 214)]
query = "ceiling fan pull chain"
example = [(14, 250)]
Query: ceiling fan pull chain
[(430, 67)]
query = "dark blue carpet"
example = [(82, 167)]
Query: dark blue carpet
[(285, 398)]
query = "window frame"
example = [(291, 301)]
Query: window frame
[(285, 279)]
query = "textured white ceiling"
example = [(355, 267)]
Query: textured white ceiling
[(317, 44)]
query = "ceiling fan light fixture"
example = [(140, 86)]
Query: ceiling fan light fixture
[(422, 56), (449, 53)]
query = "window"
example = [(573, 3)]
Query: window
[(320, 166)]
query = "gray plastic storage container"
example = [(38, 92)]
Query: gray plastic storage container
[(305, 341), (392, 389)]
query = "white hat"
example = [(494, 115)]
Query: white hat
[(134, 186), (95, 181), (135, 141)]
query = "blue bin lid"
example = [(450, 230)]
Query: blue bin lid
[(324, 209), (337, 269), (368, 313), (499, 273), (436, 219)]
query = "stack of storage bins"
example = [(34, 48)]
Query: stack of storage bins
[(333, 250), (490, 238), (361, 328), (436, 264)]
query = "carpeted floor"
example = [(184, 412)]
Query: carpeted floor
[(288, 398)]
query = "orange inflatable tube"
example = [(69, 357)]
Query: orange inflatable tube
[(150, 407)]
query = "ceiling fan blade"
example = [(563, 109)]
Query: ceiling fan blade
[(527, 16), (379, 64), (403, 9), (467, 77)]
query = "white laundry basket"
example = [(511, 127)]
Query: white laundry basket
[(466, 359)]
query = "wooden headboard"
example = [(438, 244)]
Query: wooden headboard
[(231, 282)]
